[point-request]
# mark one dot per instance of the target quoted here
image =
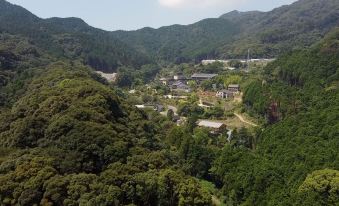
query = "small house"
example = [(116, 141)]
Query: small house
[(164, 81), (234, 88), (225, 94), (180, 86), (215, 127), (178, 77)]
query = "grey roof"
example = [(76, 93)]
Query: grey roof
[(178, 83), (226, 91), (215, 125), (202, 75), (234, 85)]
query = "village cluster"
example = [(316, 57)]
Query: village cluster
[(222, 99), (178, 84)]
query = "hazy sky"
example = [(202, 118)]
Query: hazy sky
[(135, 14)]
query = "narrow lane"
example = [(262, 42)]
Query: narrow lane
[(244, 121)]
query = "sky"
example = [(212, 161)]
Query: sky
[(135, 14)]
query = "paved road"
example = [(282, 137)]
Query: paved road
[(244, 121), (174, 109)]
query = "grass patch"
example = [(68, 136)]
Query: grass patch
[(217, 199)]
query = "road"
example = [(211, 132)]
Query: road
[(174, 109), (216, 201), (244, 121)]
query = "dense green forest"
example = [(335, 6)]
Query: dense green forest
[(68, 137), (300, 93), (267, 34), (70, 38)]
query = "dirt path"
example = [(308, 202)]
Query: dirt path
[(216, 201), (244, 121)]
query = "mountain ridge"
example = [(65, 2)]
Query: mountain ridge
[(70, 38), (267, 34)]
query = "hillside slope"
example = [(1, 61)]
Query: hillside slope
[(267, 34), (70, 38), (179, 43), (296, 161), (296, 26), (67, 138)]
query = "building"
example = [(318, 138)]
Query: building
[(155, 107), (215, 127), (110, 77), (180, 86), (211, 61), (202, 76), (205, 104), (231, 68), (225, 94), (159, 108), (175, 97), (178, 77), (164, 81), (234, 88)]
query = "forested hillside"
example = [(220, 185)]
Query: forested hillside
[(70, 38), (267, 34), (179, 43), (67, 138), (300, 94)]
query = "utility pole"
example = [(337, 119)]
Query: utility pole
[(248, 59)]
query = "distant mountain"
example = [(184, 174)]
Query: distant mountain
[(70, 38), (179, 43), (267, 34), (290, 27)]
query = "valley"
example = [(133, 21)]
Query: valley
[(237, 110)]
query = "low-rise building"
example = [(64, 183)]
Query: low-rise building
[(215, 127), (203, 76), (175, 97), (234, 88), (211, 61), (178, 77), (225, 94), (164, 81), (180, 86), (155, 107), (110, 77)]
